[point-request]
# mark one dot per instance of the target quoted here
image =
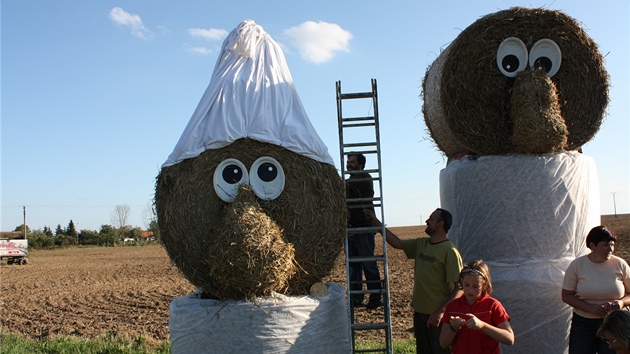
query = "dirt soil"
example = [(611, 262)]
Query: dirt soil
[(126, 291)]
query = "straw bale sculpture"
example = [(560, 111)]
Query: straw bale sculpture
[(519, 92), (249, 202), (516, 81)]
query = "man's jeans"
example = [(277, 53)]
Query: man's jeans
[(362, 245)]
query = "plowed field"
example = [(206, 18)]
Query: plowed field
[(126, 291)]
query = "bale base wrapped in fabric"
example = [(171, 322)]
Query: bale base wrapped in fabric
[(527, 216), (276, 324)]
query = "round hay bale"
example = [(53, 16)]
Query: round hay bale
[(443, 137), (476, 97), (309, 217)]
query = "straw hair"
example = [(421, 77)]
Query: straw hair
[(478, 104), (251, 247)]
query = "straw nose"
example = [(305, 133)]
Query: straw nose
[(536, 112)]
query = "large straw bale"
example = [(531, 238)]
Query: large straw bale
[(290, 242), (475, 97)]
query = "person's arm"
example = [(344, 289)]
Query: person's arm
[(390, 237), (569, 297), (436, 317), (502, 333), (621, 303), (447, 335)]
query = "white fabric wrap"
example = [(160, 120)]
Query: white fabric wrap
[(277, 324), (527, 216), (250, 95)]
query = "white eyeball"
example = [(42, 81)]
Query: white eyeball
[(512, 56), (266, 178), (230, 174), (545, 55)]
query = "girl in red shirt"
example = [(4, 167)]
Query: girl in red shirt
[(475, 323)]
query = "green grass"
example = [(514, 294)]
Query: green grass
[(15, 344), (407, 346)]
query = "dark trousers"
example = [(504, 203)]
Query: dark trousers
[(427, 337), (362, 245), (583, 336)]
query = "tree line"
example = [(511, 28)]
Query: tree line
[(108, 235)]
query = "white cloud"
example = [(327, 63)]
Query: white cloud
[(318, 42), (134, 22), (200, 50), (211, 34)]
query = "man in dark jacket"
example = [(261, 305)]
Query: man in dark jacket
[(360, 185)]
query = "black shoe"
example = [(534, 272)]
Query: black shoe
[(374, 304)]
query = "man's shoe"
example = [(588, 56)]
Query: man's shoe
[(374, 304)]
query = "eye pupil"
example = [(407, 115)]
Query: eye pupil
[(232, 174), (543, 63), (267, 172), (510, 63)]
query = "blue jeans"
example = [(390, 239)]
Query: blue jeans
[(362, 245), (583, 336)]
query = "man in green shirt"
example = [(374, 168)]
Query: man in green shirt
[(436, 273)]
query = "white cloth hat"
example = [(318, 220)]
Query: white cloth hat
[(250, 95)]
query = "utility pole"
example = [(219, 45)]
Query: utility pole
[(614, 202), (24, 208)]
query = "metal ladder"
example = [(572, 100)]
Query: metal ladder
[(353, 132)]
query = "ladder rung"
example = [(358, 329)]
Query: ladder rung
[(367, 326), (366, 179), (355, 201), (363, 230), (355, 172), (359, 145), (366, 259), (357, 119), (375, 350), (345, 96), (355, 125)]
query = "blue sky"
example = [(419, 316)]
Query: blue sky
[(95, 94)]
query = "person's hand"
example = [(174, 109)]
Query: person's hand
[(474, 323), (614, 305), (369, 215), (435, 318), (601, 309), (456, 322)]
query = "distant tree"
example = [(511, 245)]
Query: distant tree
[(47, 231), (120, 215), (39, 239), (155, 228), (65, 240), (89, 237), (107, 235), (134, 233), (71, 230), (21, 229), (148, 215), (59, 231)]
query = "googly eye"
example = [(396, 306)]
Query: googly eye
[(545, 55), (227, 177), (512, 56), (266, 178)]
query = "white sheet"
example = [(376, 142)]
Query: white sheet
[(277, 324), (250, 95), (527, 216)]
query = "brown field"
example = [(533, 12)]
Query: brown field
[(126, 291)]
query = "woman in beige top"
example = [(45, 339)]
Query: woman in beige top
[(594, 285)]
